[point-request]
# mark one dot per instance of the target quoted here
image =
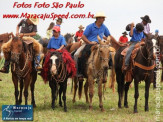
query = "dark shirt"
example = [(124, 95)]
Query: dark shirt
[(26, 28)]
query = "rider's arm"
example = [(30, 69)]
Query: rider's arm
[(131, 31), (84, 38), (61, 47), (28, 34)]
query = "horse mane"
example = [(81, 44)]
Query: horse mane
[(67, 36)]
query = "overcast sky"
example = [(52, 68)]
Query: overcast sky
[(119, 13)]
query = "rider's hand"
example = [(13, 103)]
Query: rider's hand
[(132, 24), (17, 34)]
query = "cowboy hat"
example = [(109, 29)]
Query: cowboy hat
[(146, 18), (34, 20), (81, 27), (125, 33), (99, 14)]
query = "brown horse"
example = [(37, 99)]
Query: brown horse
[(22, 69), (96, 68)]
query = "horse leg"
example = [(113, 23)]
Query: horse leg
[(21, 90), (86, 91), (91, 90), (53, 89), (136, 95), (60, 93), (64, 95), (126, 94), (147, 85), (26, 84), (75, 88), (100, 95), (32, 86), (120, 82), (15, 81)]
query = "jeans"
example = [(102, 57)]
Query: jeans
[(37, 61), (129, 51)]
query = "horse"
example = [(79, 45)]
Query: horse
[(22, 68), (159, 43), (96, 68), (58, 75), (5, 37), (143, 68)]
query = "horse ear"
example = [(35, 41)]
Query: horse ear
[(12, 35), (72, 35), (99, 39), (21, 36), (108, 40)]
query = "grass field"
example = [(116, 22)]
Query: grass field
[(79, 112)]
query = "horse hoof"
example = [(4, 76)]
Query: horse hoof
[(90, 108), (53, 107), (146, 109), (135, 111), (60, 105), (102, 109), (65, 109), (126, 106), (119, 106), (73, 101), (34, 105)]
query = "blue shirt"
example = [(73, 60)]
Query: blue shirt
[(92, 31), (56, 43), (136, 37)]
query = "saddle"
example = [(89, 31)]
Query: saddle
[(83, 58), (128, 75)]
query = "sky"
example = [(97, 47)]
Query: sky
[(119, 13)]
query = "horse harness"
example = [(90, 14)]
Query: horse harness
[(63, 73), (22, 73)]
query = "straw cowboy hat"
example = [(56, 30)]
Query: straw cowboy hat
[(146, 18), (81, 27), (99, 14), (125, 33), (34, 20)]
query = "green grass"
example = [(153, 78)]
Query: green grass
[(79, 111)]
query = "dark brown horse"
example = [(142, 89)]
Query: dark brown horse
[(22, 70), (144, 57), (58, 76), (160, 45)]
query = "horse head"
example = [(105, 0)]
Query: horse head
[(103, 52), (16, 49), (69, 38), (55, 60), (150, 45)]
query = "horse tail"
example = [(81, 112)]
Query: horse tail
[(80, 89)]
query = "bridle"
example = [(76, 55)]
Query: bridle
[(99, 53)]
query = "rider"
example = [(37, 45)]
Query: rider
[(90, 35), (79, 33), (145, 21), (49, 32), (136, 36), (59, 22), (28, 28), (123, 38), (156, 32), (57, 41)]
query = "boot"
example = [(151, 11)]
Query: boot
[(5, 68)]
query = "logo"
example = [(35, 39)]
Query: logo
[(17, 112)]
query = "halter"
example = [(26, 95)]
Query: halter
[(100, 71)]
